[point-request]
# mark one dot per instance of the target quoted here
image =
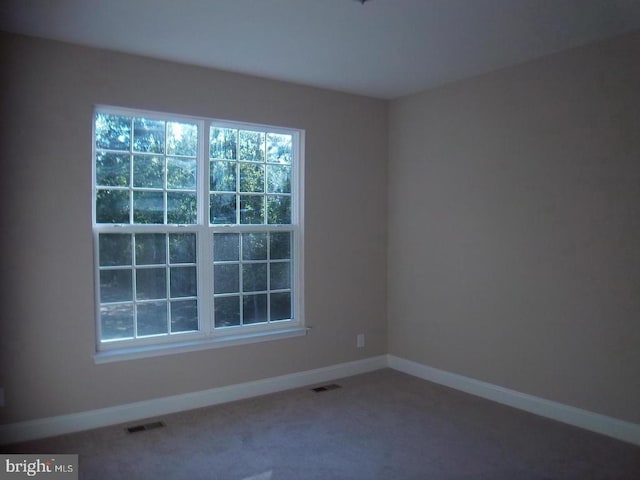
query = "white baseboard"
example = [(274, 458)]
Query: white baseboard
[(75, 422), (595, 422)]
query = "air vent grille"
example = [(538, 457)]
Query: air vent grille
[(144, 427), (324, 388)]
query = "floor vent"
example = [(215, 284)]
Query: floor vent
[(325, 388), (145, 427)]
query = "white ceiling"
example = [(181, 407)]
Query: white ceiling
[(384, 48)]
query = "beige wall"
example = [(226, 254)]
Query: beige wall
[(514, 228), (47, 327), (513, 214)]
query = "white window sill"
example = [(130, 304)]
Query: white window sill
[(132, 353)]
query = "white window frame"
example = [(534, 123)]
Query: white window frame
[(208, 336)]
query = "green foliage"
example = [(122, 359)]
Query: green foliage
[(279, 209), (222, 176), (149, 135), (251, 177), (182, 139), (146, 173), (181, 208), (182, 248), (113, 132), (148, 207), (278, 179), (157, 182), (181, 173), (115, 249), (279, 148), (222, 208), (222, 143), (150, 248), (251, 146), (251, 209), (112, 169), (254, 246), (112, 206), (279, 245), (226, 247)]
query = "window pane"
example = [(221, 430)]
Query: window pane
[(115, 286), (148, 207), (182, 248), (112, 206), (254, 246), (183, 282), (148, 135), (226, 278), (227, 311), (184, 316), (146, 174), (148, 171), (251, 177), (222, 143), (280, 276), (112, 169), (116, 321), (279, 148), (280, 245), (223, 176), (254, 277), (152, 318), (151, 283), (181, 208), (254, 308), (181, 173), (151, 248), (115, 249), (251, 209), (113, 132), (278, 179), (251, 146), (223, 208), (280, 306), (225, 247), (279, 209), (182, 139)]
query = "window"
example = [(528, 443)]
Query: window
[(197, 229)]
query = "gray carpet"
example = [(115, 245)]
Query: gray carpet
[(380, 425)]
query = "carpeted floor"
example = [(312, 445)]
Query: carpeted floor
[(380, 425)]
